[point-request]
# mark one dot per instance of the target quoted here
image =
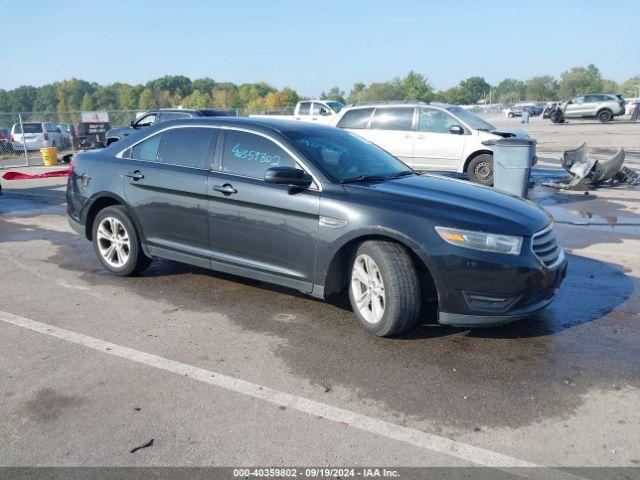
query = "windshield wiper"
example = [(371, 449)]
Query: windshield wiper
[(363, 178), (404, 173)]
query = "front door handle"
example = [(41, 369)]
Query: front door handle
[(135, 175), (408, 136), (226, 189)]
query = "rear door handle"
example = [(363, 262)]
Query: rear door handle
[(226, 189), (408, 136), (135, 175)]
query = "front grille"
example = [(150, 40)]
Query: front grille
[(545, 246)]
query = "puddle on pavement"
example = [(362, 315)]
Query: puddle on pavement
[(508, 376)]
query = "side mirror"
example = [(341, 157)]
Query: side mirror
[(133, 124), (324, 111), (569, 102), (288, 176), (456, 130)]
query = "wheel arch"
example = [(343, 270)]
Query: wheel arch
[(604, 109), (103, 200), (337, 274), (474, 155)]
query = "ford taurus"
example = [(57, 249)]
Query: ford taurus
[(319, 210)]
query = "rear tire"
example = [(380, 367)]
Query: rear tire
[(510, 115), (480, 169), (116, 242), (605, 115), (384, 288)]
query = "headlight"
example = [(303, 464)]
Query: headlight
[(487, 242)]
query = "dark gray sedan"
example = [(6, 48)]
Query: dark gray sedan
[(319, 210)]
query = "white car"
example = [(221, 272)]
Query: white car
[(36, 135), (428, 136)]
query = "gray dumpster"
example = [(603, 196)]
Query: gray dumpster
[(512, 162)]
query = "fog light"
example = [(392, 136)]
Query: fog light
[(489, 302)]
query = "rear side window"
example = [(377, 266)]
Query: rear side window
[(358, 118), (188, 147), (166, 116), (305, 108), (251, 155), (392, 119), (28, 128), (147, 150)]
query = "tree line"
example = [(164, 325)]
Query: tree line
[(171, 91)]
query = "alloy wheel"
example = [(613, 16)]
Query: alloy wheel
[(368, 288), (113, 242)]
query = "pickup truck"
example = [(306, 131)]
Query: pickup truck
[(319, 111)]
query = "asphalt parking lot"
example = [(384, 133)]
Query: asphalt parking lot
[(225, 371)]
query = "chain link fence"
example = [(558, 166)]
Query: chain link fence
[(64, 130)]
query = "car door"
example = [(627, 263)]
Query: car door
[(391, 128), (435, 147), (576, 107), (266, 230), (165, 182), (304, 111)]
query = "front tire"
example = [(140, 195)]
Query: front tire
[(480, 169), (510, 115), (384, 288), (117, 243), (556, 117), (605, 116)]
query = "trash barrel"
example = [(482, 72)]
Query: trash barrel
[(49, 156), (512, 162), (525, 116)]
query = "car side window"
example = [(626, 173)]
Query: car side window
[(435, 121), (315, 109), (356, 119), (591, 98), (147, 150), (187, 147), (166, 116), (304, 108), (392, 119), (578, 100), (251, 155), (147, 120)]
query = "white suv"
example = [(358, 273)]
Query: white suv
[(428, 136)]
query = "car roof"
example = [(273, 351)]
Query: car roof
[(255, 123), (399, 103)]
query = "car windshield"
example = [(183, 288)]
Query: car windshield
[(335, 106), (471, 119), (343, 156)]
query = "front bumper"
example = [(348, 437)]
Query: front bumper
[(499, 295)]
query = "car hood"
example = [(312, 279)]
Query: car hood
[(509, 132), (457, 203)]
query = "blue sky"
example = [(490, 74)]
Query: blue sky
[(314, 45)]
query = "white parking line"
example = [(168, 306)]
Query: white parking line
[(417, 438)]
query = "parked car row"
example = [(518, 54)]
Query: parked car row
[(516, 110), (426, 136)]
